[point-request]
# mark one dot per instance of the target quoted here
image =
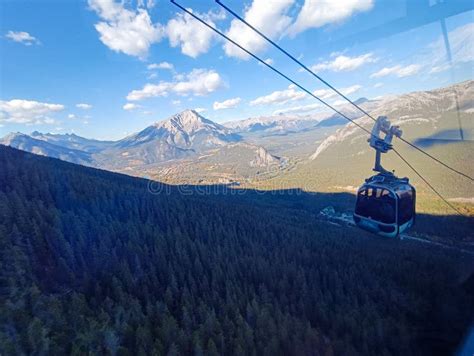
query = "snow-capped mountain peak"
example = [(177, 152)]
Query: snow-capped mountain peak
[(11, 137), (185, 130), (188, 121)]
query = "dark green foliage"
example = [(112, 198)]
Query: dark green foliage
[(91, 262)]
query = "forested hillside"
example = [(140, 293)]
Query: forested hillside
[(93, 262)]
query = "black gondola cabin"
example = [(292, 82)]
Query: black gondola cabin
[(385, 205)]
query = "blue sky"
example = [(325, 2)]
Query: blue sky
[(104, 68)]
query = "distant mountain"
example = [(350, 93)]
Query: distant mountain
[(180, 136), (45, 148), (285, 124), (73, 141), (274, 124), (418, 114), (175, 143), (186, 130), (360, 101), (188, 148)]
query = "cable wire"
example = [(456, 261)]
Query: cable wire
[(336, 90), (306, 91), (270, 66)]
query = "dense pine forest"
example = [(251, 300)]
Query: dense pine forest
[(92, 262)]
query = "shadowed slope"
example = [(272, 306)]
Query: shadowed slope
[(92, 261)]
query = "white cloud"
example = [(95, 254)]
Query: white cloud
[(149, 3), (197, 82), (130, 106), (302, 109), (226, 104), (280, 97), (339, 102), (71, 116), (385, 71), (317, 13), (434, 58), (162, 65), (22, 37), (122, 30), (268, 61), (408, 70), (192, 36), (271, 19), (398, 70), (324, 93), (378, 85), (47, 120), (199, 110), (351, 90), (27, 111), (439, 69), (84, 106), (329, 93), (149, 91), (176, 102), (461, 41), (344, 63)]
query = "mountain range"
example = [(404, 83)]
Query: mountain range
[(186, 136), (263, 151), (46, 145)]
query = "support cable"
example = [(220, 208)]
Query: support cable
[(308, 92), (336, 90)]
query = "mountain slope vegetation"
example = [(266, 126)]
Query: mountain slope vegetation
[(318, 151), (98, 262), (430, 119), (185, 142), (46, 148)]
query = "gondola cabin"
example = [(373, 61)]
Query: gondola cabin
[(385, 205)]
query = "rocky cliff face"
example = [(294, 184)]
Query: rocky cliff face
[(263, 158)]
